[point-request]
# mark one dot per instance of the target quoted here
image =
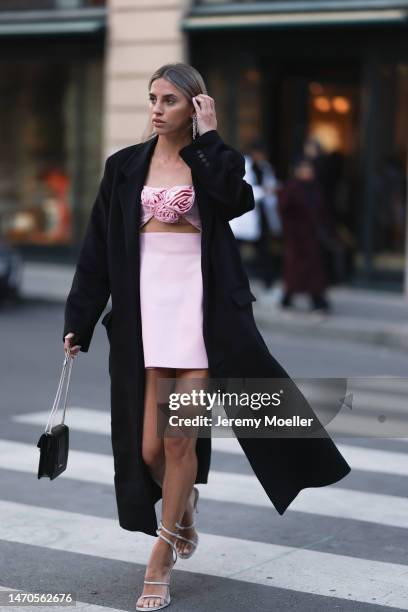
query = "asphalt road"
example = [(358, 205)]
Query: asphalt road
[(342, 547)]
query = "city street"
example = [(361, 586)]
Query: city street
[(342, 547), (206, 165)]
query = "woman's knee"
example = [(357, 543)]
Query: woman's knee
[(179, 448)]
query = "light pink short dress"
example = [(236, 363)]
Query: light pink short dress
[(171, 288)]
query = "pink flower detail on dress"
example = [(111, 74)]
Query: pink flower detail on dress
[(166, 213), (180, 199), (168, 204), (151, 197)]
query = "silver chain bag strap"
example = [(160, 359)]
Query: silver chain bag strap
[(54, 442)]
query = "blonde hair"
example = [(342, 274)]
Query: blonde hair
[(183, 76)]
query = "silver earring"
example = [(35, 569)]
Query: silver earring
[(195, 128)]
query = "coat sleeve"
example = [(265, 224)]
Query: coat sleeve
[(220, 170), (90, 288)]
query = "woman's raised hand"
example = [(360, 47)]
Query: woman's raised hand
[(73, 350), (205, 111)]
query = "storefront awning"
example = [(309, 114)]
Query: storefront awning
[(213, 14), (32, 23)]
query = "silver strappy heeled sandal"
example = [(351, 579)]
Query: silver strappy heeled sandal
[(167, 584), (193, 543)]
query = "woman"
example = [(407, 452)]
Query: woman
[(156, 275)]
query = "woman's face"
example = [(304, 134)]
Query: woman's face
[(169, 105)]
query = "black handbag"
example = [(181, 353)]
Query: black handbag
[(54, 442)]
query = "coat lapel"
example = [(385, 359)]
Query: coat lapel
[(135, 170)]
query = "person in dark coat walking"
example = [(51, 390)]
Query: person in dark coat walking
[(307, 228), (182, 179)]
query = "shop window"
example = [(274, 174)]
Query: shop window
[(50, 150)]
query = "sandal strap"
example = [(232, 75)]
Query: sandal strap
[(197, 495), (185, 526), (156, 596), (169, 542), (192, 542), (167, 530), (155, 582)]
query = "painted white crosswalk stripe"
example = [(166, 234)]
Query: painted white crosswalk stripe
[(333, 501), (77, 418), (298, 569)]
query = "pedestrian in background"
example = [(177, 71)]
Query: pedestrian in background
[(247, 227), (307, 228), (261, 224)]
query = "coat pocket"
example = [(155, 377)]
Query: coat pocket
[(242, 296)]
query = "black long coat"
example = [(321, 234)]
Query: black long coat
[(108, 264)]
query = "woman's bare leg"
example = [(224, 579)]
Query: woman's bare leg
[(152, 445), (186, 376), (180, 471), (160, 560)]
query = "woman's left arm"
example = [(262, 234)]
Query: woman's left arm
[(220, 170), (90, 289)]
